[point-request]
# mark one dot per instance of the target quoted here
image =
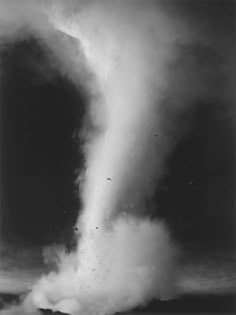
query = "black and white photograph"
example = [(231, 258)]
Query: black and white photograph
[(117, 157)]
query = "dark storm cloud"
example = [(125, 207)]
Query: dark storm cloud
[(201, 178), (41, 111)]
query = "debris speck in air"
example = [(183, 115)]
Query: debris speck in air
[(96, 227), (108, 178)]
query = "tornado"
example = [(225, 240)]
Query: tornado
[(122, 52)]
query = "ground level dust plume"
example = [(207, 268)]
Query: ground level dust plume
[(123, 259)]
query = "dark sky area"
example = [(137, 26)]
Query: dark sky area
[(41, 109)]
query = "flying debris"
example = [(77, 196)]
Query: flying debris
[(108, 178), (96, 227)]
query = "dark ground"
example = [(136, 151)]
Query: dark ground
[(187, 304)]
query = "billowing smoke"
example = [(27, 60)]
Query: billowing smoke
[(123, 259)]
